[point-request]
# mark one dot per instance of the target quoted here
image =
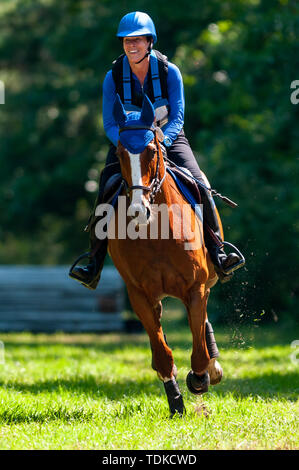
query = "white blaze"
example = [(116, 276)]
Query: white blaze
[(136, 177), (137, 208)]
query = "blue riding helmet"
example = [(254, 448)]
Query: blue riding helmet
[(136, 24)]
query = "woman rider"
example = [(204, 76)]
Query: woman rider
[(134, 74)]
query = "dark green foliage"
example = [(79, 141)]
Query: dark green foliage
[(238, 59)]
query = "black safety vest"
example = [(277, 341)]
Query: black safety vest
[(137, 98)]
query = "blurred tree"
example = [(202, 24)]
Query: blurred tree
[(238, 59)]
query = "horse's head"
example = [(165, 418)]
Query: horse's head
[(139, 155)]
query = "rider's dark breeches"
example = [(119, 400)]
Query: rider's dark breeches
[(112, 167), (181, 154)]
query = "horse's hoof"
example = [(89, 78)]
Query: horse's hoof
[(215, 371), (174, 397), (198, 384)]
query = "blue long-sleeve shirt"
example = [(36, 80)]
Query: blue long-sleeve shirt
[(175, 98)]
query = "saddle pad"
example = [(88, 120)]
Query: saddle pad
[(186, 193)]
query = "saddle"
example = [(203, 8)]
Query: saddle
[(187, 186)]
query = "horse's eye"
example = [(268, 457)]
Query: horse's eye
[(152, 152)]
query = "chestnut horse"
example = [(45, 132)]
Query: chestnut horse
[(157, 267)]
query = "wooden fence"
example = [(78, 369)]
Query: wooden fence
[(45, 299)]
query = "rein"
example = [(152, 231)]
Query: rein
[(156, 183)]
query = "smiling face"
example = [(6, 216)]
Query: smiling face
[(135, 47)]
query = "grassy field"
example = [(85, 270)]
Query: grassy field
[(91, 391)]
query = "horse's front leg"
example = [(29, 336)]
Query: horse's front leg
[(162, 359), (158, 312), (198, 379)]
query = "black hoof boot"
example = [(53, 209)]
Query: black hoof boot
[(198, 384), (211, 341), (174, 397)]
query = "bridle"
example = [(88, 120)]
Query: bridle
[(156, 183)]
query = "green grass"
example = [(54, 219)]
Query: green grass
[(90, 391)]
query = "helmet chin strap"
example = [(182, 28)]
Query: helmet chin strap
[(146, 55), (148, 52)]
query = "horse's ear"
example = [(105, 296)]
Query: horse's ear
[(147, 112), (119, 112)]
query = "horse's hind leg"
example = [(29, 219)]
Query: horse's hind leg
[(198, 379), (214, 369), (162, 358)]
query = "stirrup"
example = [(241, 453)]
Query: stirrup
[(90, 285), (85, 255), (237, 265)]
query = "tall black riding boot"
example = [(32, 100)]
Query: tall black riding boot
[(89, 275), (224, 264)]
